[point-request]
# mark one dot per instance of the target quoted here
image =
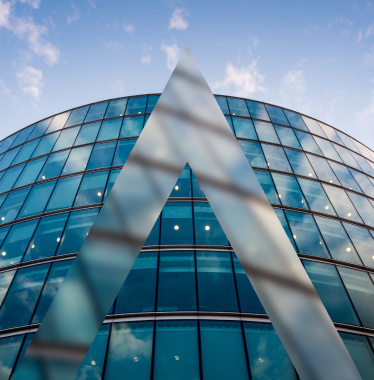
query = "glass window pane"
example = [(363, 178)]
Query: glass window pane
[(46, 144), (138, 293), (316, 196), (176, 223), (96, 111), (136, 105), (40, 128), (114, 173), (152, 100), (109, 129), (361, 290), (53, 166), (183, 186), (215, 280), (87, 133), (327, 149), (12, 205), (58, 122), (275, 158), (306, 234), (248, 300), (197, 191), (364, 182), (342, 205), (176, 282), (102, 155), (238, 107), (344, 176), (26, 151), (267, 357), (323, 169), (330, 133), (9, 348), (364, 207), (330, 289), (77, 160), (295, 120), (132, 359), (207, 228), (55, 277), (253, 152), (116, 108), (5, 280), (347, 157), (10, 177), (299, 162), (268, 186), (244, 128), (76, 230), (77, 116), (46, 237), (154, 235), (132, 126), (22, 296), (37, 199), (313, 126), (8, 158), (280, 214), (92, 188), (176, 351), (222, 102), (257, 110), (31, 171), (363, 164), (16, 242), (266, 132), (287, 136), (222, 351), (64, 193), (289, 191), (123, 150), (66, 139), (337, 241), (276, 115), (307, 142)]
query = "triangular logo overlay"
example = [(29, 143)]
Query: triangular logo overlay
[(187, 125)]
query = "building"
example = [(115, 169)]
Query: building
[(187, 309)]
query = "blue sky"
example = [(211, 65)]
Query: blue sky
[(314, 57)]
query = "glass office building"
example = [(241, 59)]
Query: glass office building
[(187, 309)]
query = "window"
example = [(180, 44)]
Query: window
[(136, 105), (287, 136), (363, 206), (53, 166), (9, 348), (96, 112), (295, 120), (116, 108), (275, 158), (238, 107), (5, 280), (77, 160), (123, 151), (268, 186), (77, 116), (8, 158), (345, 177), (307, 142), (266, 132), (282, 219), (300, 164), (10, 177), (26, 151), (347, 157), (313, 126), (109, 129), (40, 128), (58, 122), (364, 182), (22, 136), (253, 152), (152, 101), (327, 149), (46, 144), (244, 128), (330, 133), (87, 133), (276, 115), (183, 186), (222, 102), (323, 169), (112, 179), (102, 155), (289, 191), (257, 110), (12, 205), (132, 126), (31, 171), (92, 188)]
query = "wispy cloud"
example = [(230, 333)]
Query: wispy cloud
[(33, 3), (30, 81), (27, 30), (129, 27), (74, 15), (146, 56), (241, 80), (177, 20), (172, 54), (113, 45), (6, 91)]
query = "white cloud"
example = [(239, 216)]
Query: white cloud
[(146, 56), (113, 45), (4, 89), (31, 81), (172, 54), (33, 3), (146, 59), (177, 20), (129, 28), (27, 30), (241, 81), (74, 15), (293, 83)]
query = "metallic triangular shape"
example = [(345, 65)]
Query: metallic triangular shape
[(187, 125)]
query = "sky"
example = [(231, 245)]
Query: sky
[(314, 57)]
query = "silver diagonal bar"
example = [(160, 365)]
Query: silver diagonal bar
[(187, 125)]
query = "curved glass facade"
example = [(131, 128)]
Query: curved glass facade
[(187, 309)]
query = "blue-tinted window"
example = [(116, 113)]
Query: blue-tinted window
[(64, 193), (267, 357), (313, 126), (345, 177), (77, 160), (12, 205), (139, 290), (316, 196), (58, 122), (287, 136), (364, 164), (109, 129), (9, 348), (276, 115), (37, 199), (244, 128), (327, 149), (215, 282), (5, 280), (266, 132), (183, 186), (299, 162), (207, 228), (136, 105), (222, 351), (123, 151), (176, 223), (197, 190), (92, 188), (22, 296), (229, 122), (46, 237), (132, 126), (134, 360), (295, 120), (289, 191), (96, 112), (87, 133), (40, 128), (331, 291), (5, 144), (30, 172), (16, 242), (307, 142), (116, 108), (8, 158), (364, 182), (323, 169), (152, 101), (26, 151), (222, 102), (112, 179), (275, 158), (10, 177), (347, 157), (77, 116), (364, 207), (66, 138), (238, 107), (253, 152), (331, 133), (76, 230), (102, 155), (46, 144), (267, 185), (176, 351), (22, 136), (306, 234), (257, 110), (280, 214), (53, 166), (54, 280)]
